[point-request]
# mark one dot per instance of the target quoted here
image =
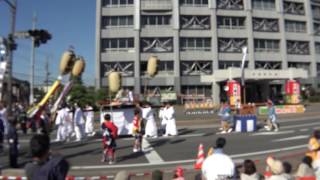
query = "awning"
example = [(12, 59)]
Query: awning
[(255, 74)]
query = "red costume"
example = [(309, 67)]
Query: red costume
[(109, 139)]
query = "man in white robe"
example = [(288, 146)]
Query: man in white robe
[(169, 116), (151, 126), (78, 123), (3, 116), (60, 121), (89, 115)]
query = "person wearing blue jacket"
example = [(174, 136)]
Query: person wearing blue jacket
[(272, 117)]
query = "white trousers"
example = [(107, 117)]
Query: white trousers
[(79, 130)]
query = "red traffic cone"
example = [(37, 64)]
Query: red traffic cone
[(200, 157)]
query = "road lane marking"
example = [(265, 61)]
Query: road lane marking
[(272, 133), (292, 138), (151, 155), (180, 162), (300, 125), (304, 130)]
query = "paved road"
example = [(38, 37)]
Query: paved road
[(166, 153)]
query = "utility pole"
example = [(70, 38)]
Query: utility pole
[(13, 9), (47, 74), (34, 20)]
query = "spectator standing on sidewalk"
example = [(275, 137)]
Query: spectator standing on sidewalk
[(13, 144), (276, 168), (250, 171), (1, 135), (305, 168), (287, 168), (218, 165)]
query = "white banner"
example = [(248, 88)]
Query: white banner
[(122, 118)]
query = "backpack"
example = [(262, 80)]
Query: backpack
[(55, 169)]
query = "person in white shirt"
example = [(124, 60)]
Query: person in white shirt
[(218, 165), (89, 126), (130, 96), (169, 116), (60, 121), (162, 120), (151, 127), (78, 122), (3, 116)]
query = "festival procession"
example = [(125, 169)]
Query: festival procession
[(188, 89)]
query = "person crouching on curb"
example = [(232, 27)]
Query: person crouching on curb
[(136, 132), (109, 135)]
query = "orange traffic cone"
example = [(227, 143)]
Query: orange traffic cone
[(200, 157)]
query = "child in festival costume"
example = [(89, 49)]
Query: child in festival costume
[(136, 132), (110, 133)]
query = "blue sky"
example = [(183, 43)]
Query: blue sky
[(71, 22)]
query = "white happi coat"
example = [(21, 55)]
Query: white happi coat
[(62, 122), (151, 127), (3, 116), (169, 116), (161, 117), (79, 123), (89, 115)]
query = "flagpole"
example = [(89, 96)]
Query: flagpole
[(244, 52)]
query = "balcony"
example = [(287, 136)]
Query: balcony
[(156, 4)]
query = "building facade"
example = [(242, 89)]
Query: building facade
[(196, 37)]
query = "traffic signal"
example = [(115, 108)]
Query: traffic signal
[(40, 36)]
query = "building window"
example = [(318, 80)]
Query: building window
[(265, 25), (194, 2), (116, 3), (126, 68), (317, 47), (156, 90), (155, 20), (231, 45), (293, 8), (316, 12), (295, 26), (227, 64), (266, 45), (264, 4), (117, 21), (230, 4), (195, 22), (163, 44), (225, 22), (318, 69), (117, 44), (316, 29), (196, 68), (303, 65), (195, 44), (197, 90), (298, 47), (163, 68), (267, 65)]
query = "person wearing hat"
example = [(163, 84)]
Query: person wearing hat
[(276, 168), (169, 116), (272, 117)]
